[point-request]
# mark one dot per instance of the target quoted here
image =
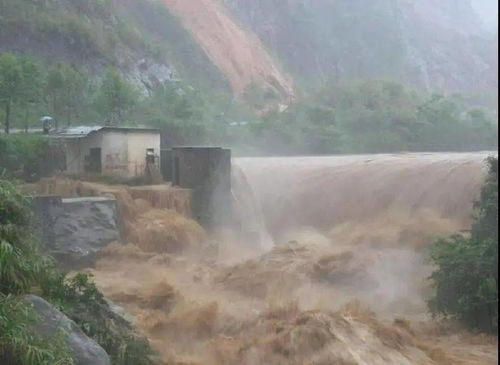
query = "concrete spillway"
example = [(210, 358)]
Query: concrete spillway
[(322, 192)]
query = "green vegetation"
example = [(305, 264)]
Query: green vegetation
[(96, 34), (374, 116), (21, 268), (368, 116), (26, 157), (115, 97), (24, 269), (19, 84), (64, 91), (466, 275)]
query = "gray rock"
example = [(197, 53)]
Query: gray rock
[(148, 75), (85, 350), (75, 230)]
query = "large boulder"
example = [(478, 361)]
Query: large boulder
[(75, 230), (85, 351)]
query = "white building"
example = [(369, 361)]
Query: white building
[(113, 151)]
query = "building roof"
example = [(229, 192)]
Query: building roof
[(84, 131), (22, 130), (198, 148)]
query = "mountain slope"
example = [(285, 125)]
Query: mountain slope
[(251, 47), (432, 44), (140, 37)]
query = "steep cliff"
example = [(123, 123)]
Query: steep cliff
[(430, 43)]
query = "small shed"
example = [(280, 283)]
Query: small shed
[(114, 151)]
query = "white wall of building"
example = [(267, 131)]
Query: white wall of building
[(114, 153), (123, 153), (138, 143)]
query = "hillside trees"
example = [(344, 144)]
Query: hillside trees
[(65, 91), (116, 97), (362, 116), (10, 77), (19, 84), (375, 116)]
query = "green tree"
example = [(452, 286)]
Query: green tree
[(65, 91), (180, 110), (75, 83), (10, 85), (466, 274), (116, 97), (20, 84), (30, 88), (54, 91)]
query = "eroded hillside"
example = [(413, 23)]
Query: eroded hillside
[(237, 52)]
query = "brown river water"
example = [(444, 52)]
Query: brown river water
[(335, 273)]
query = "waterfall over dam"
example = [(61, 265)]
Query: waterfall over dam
[(324, 192)]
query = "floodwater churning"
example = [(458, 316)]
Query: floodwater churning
[(338, 275)]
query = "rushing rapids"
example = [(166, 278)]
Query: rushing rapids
[(340, 279)]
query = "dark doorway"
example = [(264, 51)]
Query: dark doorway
[(95, 161)]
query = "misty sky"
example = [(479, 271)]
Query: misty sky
[(488, 10)]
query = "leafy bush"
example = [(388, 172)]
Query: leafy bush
[(24, 156), (20, 265), (466, 275), (21, 269)]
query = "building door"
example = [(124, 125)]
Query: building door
[(95, 160)]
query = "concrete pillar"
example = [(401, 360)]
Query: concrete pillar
[(166, 164), (207, 171)]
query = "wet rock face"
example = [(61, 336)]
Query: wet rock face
[(420, 42), (150, 75), (84, 350), (75, 230)]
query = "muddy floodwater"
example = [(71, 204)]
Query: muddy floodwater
[(336, 272)]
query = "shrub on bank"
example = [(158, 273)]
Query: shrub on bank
[(466, 274), (25, 156)]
